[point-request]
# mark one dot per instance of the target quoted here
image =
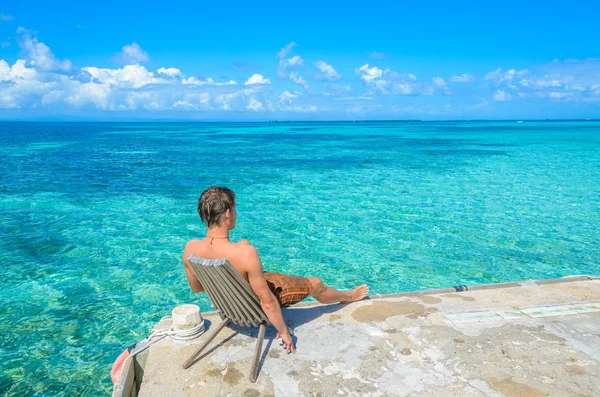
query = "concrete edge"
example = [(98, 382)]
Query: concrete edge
[(477, 287)]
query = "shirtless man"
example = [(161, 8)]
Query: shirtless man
[(216, 207)]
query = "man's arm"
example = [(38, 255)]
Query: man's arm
[(269, 303), (191, 276)]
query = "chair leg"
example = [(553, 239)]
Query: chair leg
[(257, 352), (189, 361)]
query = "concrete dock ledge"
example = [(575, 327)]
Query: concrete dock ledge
[(533, 338)]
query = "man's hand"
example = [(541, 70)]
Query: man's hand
[(288, 343)]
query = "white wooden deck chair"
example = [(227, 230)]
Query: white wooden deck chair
[(234, 300)]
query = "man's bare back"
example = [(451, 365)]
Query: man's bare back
[(233, 252)]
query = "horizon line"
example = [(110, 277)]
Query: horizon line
[(295, 121)]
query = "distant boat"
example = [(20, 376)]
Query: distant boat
[(519, 121)]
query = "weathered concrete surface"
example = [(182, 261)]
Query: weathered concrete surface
[(531, 340)]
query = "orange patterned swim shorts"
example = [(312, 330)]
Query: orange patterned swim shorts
[(288, 289)]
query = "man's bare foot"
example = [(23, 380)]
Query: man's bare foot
[(357, 293)]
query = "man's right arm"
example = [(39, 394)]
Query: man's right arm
[(268, 301)]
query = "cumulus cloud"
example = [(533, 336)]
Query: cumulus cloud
[(569, 80), (171, 72), (369, 74), (195, 101), (462, 78), (291, 62), (296, 78), (389, 82), (254, 105), (499, 76), (439, 82), (38, 54), (287, 97), (257, 79), (39, 81), (135, 76), (6, 18), (327, 72), (132, 54), (501, 96), (441, 85)]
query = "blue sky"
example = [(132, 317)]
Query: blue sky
[(311, 61)]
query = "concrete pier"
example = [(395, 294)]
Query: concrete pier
[(537, 338)]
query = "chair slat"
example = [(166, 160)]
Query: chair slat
[(229, 295), (230, 286), (250, 301), (212, 290)]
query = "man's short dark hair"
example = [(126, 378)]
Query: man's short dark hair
[(213, 203)]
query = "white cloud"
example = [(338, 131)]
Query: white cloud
[(42, 84), (196, 101), (498, 76), (38, 54), (369, 74), (405, 89), (388, 82), (172, 72), (327, 71), (90, 93), (257, 79), (132, 54), (254, 105), (288, 63), (569, 81), (135, 76), (195, 81), (286, 97), (291, 62), (19, 71), (286, 50), (6, 18), (296, 78), (5, 71), (462, 78), (501, 96), (439, 82), (299, 109)]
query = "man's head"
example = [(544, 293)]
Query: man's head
[(216, 207)]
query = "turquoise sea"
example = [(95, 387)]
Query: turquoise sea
[(94, 217)]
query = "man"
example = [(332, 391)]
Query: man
[(216, 207)]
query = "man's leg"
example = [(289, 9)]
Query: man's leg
[(325, 294)]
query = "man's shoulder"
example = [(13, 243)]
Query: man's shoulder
[(243, 256), (190, 244), (243, 248)]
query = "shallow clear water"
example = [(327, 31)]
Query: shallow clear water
[(94, 218)]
